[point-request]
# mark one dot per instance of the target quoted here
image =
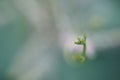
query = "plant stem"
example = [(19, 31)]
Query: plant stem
[(84, 49)]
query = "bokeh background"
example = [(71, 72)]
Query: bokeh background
[(34, 36)]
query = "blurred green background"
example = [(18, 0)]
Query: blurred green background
[(33, 35)]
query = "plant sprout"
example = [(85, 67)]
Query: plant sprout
[(80, 57)]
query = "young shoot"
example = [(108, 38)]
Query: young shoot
[(80, 57)]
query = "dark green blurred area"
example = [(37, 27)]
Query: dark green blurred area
[(105, 67), (15, 33)]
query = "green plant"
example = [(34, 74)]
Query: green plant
[(80, 57)]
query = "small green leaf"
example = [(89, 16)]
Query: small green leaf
[(78, 42), (78, 58)]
